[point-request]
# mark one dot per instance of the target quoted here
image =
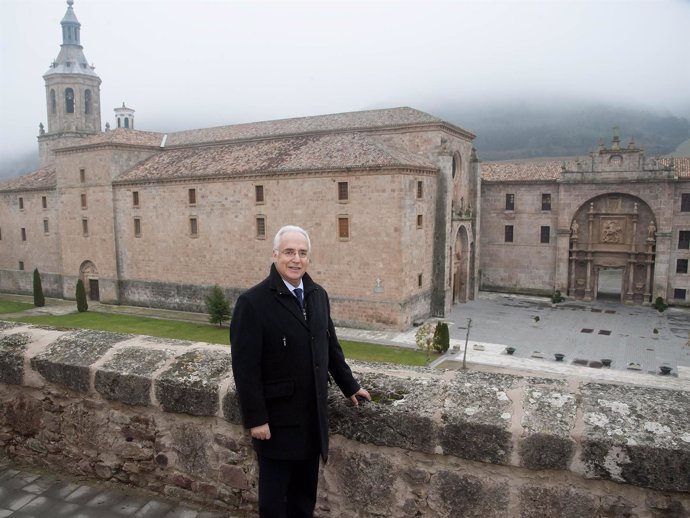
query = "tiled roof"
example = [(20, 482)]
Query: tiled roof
[(550, 169), (120, 136), (43, 178), (524, 171), (301, 153), (351, 121), (681, 165)]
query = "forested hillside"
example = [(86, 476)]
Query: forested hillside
[(520, 130)]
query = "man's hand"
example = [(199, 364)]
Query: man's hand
[(262, 433), (362, 393)]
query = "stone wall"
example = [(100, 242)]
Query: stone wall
[(161, 415)]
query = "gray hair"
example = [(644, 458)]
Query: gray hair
[(285, 230)]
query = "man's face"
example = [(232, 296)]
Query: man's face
[(292, 257)]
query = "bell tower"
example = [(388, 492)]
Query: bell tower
[(73, 95)]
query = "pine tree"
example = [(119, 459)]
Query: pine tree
[(217, 306), (82, 305), (441, 337), (39, 299)]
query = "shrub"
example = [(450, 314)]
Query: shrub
[(82, 305), (557, 297), (441, 338), (39, 299), (660, 305), (217, 306)]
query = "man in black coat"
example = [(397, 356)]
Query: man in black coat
[(283, 348)]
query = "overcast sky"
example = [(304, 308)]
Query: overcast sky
[(194, 63)]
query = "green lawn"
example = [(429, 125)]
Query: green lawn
[(204, 333), (134, 324), (10, 306)]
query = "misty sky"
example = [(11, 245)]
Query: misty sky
[(194, 63)]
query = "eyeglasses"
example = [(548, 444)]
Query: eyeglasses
[(291, 252)]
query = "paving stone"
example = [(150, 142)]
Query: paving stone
[(82, 494), (40, 485), (105, 499), (129, 505), (154, 509), (60, 489), (15, 500), (182, 512)]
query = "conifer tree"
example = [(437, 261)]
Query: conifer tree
[(217, 306), (39, 299), (82, 305)]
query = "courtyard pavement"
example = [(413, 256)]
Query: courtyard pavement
[(584, 332)]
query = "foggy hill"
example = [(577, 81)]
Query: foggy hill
[(526, 130)]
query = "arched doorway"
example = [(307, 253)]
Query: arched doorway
[(89, 276), (461, 262), (612, 247)]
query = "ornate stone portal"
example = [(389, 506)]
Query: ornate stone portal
[(613, 231)]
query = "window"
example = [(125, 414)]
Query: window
[(87, 102), (135, 198), (192, 196), (420, 279), (420, 220), (682, 266), (82, 175), (44, 202), (260, 227), (83, 200), (343, 227), (69, 100), (343, 194), (0, 234), (21, 265), (679, 294), (685, 202), (510, 202), (545, 234), (137, 227), (85, 227), (46, 228), (259, 193), (23, 232), (546, 201), (193, 227), (21, 203), (508, 233), (126, 122), (684, 240), (420, 189), (53, 102)]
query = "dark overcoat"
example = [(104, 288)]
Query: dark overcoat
[(281, 361)]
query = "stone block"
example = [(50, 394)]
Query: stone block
[(476, 417), (549, 415), (537, 502), (12, 350), (400, 414), (67, 360), (233, 476), (127, 377), (191, 384), (461, 494), (637, 435), (231, 407)]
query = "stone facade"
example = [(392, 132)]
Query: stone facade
[(558, 226), (161, 415)]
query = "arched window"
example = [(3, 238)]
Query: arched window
[(119, 124), (126, 122), (87, 102), (53, 102), (69, 100)]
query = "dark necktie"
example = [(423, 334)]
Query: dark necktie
[(300, 299)]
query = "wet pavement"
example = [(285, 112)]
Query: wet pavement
[(585, 333)]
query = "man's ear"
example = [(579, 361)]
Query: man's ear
[(275, 255)]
